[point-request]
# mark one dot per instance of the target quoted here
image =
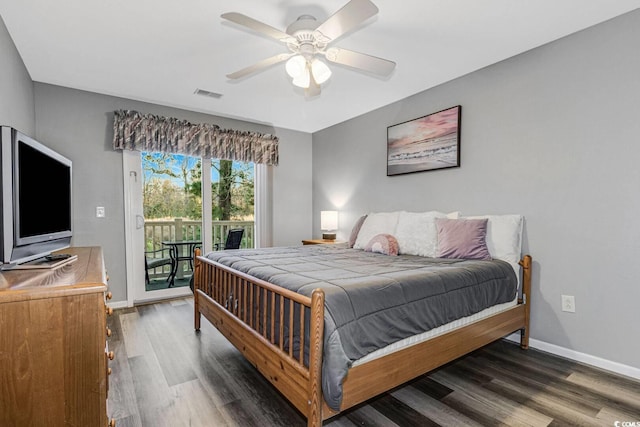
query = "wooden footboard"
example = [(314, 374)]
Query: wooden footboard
[(269, 324)]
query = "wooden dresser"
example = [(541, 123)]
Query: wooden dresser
[(53, 350)]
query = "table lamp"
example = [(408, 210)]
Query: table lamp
[(329, 222)]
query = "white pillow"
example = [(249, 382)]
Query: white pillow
[(504, 237), (376, 223), (417, 234)]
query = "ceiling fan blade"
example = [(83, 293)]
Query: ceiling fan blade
[(258, 26), (259, 66), (344, 20), (361, 61)]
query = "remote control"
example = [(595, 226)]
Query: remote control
[(56, 257)]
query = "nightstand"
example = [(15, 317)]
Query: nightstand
[(321, 242)]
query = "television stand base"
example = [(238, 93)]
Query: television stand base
[(44, 262)]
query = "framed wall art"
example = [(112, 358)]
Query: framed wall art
[(427, 143)]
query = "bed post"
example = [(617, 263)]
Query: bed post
[(526, 300), (196, 282), (316, 343)]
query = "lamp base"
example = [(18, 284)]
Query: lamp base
[(328, 236)]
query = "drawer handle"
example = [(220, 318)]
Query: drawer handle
[(108, 371), (108, 332), (112, 423), (111, 355), (109, 311), (109, 295)]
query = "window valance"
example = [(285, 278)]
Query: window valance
[(147, 132)]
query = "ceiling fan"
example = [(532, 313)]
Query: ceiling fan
[(309, 40)]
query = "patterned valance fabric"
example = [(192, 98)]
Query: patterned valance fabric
[(147, 132)]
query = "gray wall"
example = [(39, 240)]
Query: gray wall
[(16, 87), (292, 185), (79, 124), (551, 134)]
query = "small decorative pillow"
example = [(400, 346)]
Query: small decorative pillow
[(462, 238), (356, 229), (383, 244)]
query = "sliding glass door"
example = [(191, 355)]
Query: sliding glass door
[(173, 204), (232, 202), (172, 210)]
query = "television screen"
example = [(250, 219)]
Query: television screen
[(43, 196), (43, 186)]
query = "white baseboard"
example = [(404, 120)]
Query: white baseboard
[(588, 359), (118, 304)]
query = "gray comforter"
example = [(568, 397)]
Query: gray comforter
[(373, 300)]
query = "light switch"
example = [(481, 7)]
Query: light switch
[(100, 212)]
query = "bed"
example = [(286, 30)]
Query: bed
[(283, 308)]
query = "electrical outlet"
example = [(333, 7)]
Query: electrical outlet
[(569, 303), (100, 212)]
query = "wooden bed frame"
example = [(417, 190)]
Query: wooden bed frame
[(252, 314)]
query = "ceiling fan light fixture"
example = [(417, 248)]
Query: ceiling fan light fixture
[(307, 40), (321, 72), (296, 66)]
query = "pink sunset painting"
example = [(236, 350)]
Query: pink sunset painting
[(430, 142)]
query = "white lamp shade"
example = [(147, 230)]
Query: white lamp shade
[(329, 220), (321, 72), (303, 80), (296, 66)]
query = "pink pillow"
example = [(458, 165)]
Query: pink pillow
[(462, 238), (356, 229), (383, 244)]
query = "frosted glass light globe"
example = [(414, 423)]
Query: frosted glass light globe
[(296, 66), (321, 72), (303, 80)]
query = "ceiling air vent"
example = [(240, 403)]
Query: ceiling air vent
[(207, 93)]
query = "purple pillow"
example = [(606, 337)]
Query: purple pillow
[(383, 244), (462, 238), (356, 229)]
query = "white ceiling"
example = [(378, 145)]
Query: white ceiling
[(160, 51)]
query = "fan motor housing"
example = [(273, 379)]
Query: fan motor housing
[(306, 23), (309, 41)]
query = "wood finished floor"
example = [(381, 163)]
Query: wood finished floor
[(165, 374)]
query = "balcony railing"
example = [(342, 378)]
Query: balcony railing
[(158, 231)]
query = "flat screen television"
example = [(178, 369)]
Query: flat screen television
[(36, 204)]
